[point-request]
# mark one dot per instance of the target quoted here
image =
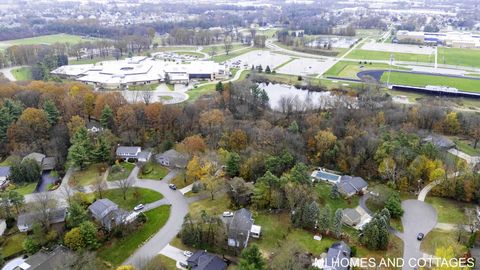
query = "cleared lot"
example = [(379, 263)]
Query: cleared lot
[(307, 66), (264, 58), (398, 48)]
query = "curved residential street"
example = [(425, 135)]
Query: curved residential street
[(7, 72)]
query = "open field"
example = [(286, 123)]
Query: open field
[(118, 250), (459, 57), (22, 74), (122, 173), (422, 80), (324, 191), (88, 176), (26, 189), (47, 40), (442, 239), (449, 211), (381, 55), (347, 69), (224, 57), (153, 171), (13, 244)]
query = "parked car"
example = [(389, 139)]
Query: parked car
[(139, 207), (420, 236), (187, 253), (227, 214), (172, 187)]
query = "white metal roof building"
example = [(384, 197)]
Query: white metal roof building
[(141, 70)]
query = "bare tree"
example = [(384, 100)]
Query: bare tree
[(227, 44), (213, 51), (124, 185), (99, 186), (44, 204), (147, 97)]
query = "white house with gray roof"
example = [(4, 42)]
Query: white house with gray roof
[(107, 213)]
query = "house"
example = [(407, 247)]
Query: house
[(173, 158), (351, 185), (323, 175), (128, 152), (93, 126), (47, 260), (26, 221), (4, 174), (107, 213), (338, 257), (144, 156), (355, 217), (202, 260), (440, 142), (240, 227), (45, 163)]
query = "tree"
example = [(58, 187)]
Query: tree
[(213, 185), (376, 233), (88, 230), (44, 202), (394, 205), (388, 169), (30, 246), (324, 219), (451, 124), (310, 215), (233, 164), (102, 151), (51, 111), (268, 70), (27, 171), (124, 185), (16, 199), (227, 44), (299, 174), (126, 267), (334, 193), (193, 144), (324, 142), (337, 223), (219, 87), (238, 140), (76, 215), (32, 126), (9, 113), (106, 117), (75, 123), (80, 152), (251, 259), (73, 239)]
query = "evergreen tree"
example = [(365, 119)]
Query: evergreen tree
[(106, 118), (334, 194), (76, 215), (88, 230), (324, 219), (293, 127), (51, 111), (394, 205), (299, 174), (337, 223), (310, 215), (102, 150), (9, 113), (233, 164), (251, 259), (267, 70), (219, 87), (80, 152)]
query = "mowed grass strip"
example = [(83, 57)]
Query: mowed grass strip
[(22, 74), (459, 57), (47, 40), (421, 80), (134, 197), (381, 55), (118, 250)]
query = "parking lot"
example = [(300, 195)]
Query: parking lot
[(398, 48), (307, 66), (256, 58)]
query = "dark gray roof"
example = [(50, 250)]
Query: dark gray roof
[(338, 252), (144, 155), (4, 171), (202, 260), (38, 157), (351, 216), (439, 141), (93, 124), (350, 185), (44, 260), (56, 216), (49, 163), (101, 208), (174, 157), (240, 224)]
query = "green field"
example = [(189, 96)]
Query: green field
[(47, 40), (88, 176), (459, 57), (193, 54), (13, 244), (22, 74), (224, 57), (134, 197), (346, 69), (380, 55), (421, 80)]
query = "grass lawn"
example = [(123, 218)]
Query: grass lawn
[(233, 54), (154, 171), (135, 196), (195, 93), (421, 80), (466, 146), (13, 244), (88, 176), (459, 57), (171, 87), (164, 261), (193, 54), (381, 55), (26, 189), (449, 211), (47, 40), (324, 190), (220, 204), (121, 174), (440, 239), (181, 180), (118, 250), (143, 87), (347, 69), (22, 74)]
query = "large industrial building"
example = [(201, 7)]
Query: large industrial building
[(141, 70), (450, 39)]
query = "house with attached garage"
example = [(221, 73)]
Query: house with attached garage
[(351, 185), (202, 260), (57, 258), (107, 213), (338, 257), (133, 152), (45, 163), (26, 221), (173, 159), (240, 227)]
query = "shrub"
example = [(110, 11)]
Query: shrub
[(197, 187), (30, 246), (116, 169), (10, 222)]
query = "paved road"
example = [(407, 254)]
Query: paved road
[(7, 72), (423, 193), (419, 217), (178, 210)]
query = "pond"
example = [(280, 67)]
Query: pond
[(285, 98), (335, 41)]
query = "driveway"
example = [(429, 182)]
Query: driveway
[(419, 217), (174, 253)]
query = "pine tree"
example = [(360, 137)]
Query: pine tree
[(233, 164), (267, 69), (324, 219), (219, 87), (81, 150), (51, 111), (106, 118), (334, 194), (394, 205), (310, 215), (102, 150), (251, 259)]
